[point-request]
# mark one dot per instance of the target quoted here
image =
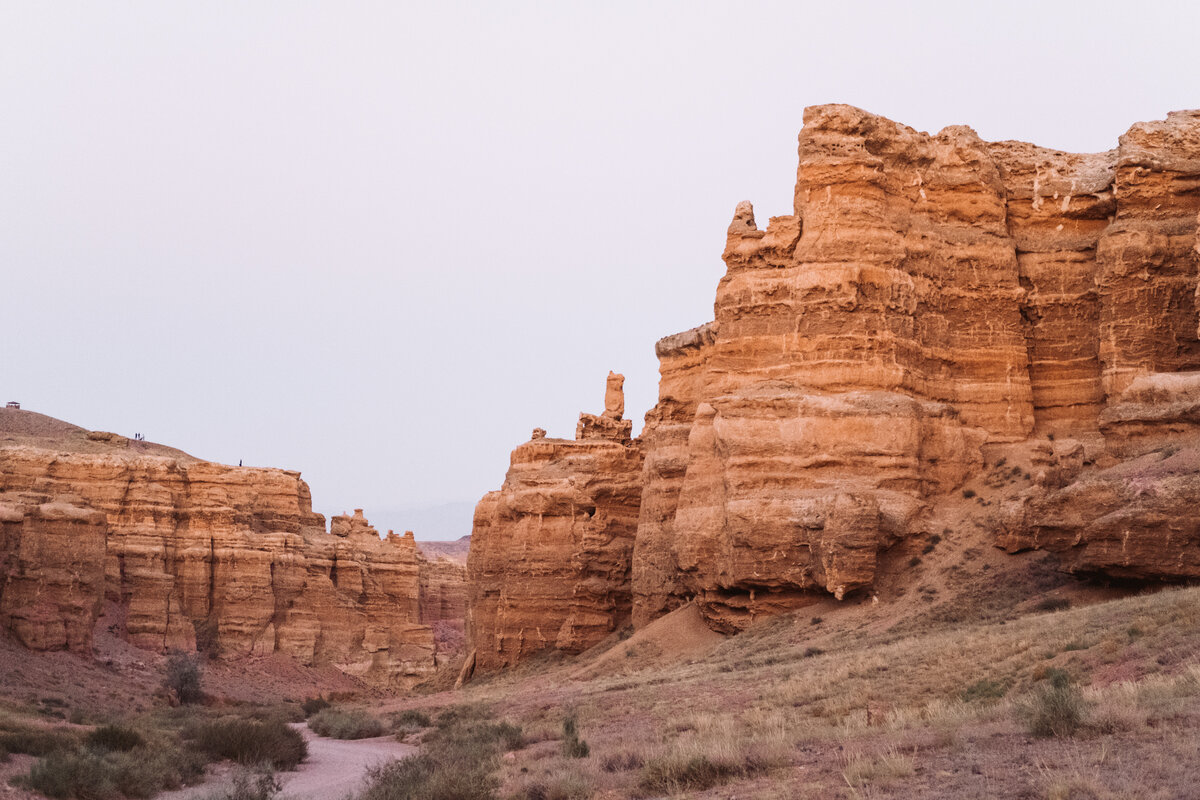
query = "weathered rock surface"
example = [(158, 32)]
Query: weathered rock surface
[(51, 571), (231, 560), (551, 550), (929, 295)]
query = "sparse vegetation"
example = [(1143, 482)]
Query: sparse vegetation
[(458, 760), (346, 723), (259, 783), (95, 773)]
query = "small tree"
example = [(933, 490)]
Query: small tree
[(183, 677), (573, 746)]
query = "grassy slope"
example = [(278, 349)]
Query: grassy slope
[(882, 713)]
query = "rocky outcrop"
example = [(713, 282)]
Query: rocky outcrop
[(928, 296), (229, 560), (1132, 515), (551, 550)]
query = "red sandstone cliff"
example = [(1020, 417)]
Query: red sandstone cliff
[(930, 296), (231, 560)]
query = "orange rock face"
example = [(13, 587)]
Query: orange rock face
[(551, 550), (226, 559), (929, 295)]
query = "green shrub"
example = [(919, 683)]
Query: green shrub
[(38, 741), (572, 745), (1057, 707), (338, 723), (314, 704), (115, 737), (77, 773), (249, 741), (88, 774), (429, 777), (183, 677)]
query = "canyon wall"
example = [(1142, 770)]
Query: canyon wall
[(929, 297), (197, 555)]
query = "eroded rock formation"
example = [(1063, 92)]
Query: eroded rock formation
[(551, 550), (226, 559), (929, 296)]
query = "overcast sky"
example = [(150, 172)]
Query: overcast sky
[(380, 242)]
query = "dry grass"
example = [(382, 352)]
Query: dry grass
[(769, 708)]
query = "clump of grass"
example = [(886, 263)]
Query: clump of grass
[(407, 722), (859, 770), (411, 717), (622, 762), (1057, 707), (694, 764), (458, 760), (312, 705), (555, 784), (1052, 604), (572, 745), (250, 741), (984, 691), (345, 723)]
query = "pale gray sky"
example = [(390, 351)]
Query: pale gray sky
[(380, 242)]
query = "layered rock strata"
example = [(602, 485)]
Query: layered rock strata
[(229, 560), (551, 550), (927, 296)]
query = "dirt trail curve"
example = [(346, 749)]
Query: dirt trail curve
[(334, 768)]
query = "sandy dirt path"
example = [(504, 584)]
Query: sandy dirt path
[(334, 768)]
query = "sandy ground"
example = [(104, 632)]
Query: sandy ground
[(334, 768)]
